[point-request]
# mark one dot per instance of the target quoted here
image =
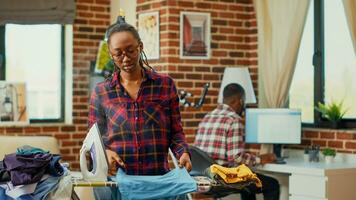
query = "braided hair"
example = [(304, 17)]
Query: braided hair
[(122, 26)]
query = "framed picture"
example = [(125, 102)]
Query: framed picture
[(148, 28), (194, 35), (13, 103)]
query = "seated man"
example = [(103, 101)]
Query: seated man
[(221, 136)]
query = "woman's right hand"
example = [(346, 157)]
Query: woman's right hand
[(114, 162)]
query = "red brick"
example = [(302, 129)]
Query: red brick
[(32, 129), (14, 130), (226, 15), (68, 128), (236, 7), (67, 143), (185, 4), (219, 6), (79, 135), (220, 53), (62, 136), (194, 76), (202, 5), (306, 142), (350, 145), (327, 135), (335, 144), (321, 143), (309, 134), (68, 158), (202, 69), (211, 77), (345, 136)]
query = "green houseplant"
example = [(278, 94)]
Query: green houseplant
[(329, 154), (333, 112)]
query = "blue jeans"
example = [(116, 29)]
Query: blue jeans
[(106, 193)]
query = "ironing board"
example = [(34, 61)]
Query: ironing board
[(204, 184)]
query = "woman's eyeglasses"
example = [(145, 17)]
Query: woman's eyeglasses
[(131, 52)]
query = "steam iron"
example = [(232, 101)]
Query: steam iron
[(93, 144)]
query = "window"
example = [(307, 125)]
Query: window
[(326, 64), (34, 54)]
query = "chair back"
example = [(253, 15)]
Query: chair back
[(200, 161)]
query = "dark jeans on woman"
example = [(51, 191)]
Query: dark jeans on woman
[(270, 189)]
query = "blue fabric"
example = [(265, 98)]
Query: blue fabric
[(174, 183), (26, 197), (107, 193), (2, 194), (45, 187), (55, 168), (28, 150)]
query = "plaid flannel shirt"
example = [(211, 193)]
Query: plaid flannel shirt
[(221, 136), (141, 130)]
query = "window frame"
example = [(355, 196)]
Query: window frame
[(319, 69), (63, 73)]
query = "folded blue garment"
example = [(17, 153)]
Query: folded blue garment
[(174, 183)]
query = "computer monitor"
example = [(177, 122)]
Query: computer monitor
[(273, 126)]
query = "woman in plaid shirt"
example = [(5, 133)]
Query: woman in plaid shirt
[(137, 110)]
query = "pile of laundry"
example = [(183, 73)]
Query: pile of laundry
[(231, 180), (33, 173)]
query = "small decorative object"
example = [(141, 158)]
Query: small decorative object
[(148, 28), (306, 154), (194, 35), (314, 153), (333, 112), (183, 98), (13, 104), (329, 155)]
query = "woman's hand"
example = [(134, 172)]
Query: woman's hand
[(114, 162), (184, 161)]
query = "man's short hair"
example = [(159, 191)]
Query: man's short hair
[(233, 89)]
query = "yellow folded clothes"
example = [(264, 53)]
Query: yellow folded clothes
[(235, 174)]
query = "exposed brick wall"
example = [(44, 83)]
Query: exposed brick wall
[(342, 140), (233, 43), (93, 16)]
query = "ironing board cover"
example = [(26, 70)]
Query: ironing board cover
[(174, 183)]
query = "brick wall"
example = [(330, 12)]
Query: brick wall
[(233, 43), (342, 140), (93, 16)]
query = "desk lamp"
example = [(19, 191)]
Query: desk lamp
[(241, 76)]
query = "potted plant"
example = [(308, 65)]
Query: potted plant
[(333, 112), (329, 154)]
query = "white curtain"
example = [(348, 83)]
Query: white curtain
[(350, 11), (280, 27)]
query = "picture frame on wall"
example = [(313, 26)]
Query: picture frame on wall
[(13, 103), (148, 28), (194, 35)]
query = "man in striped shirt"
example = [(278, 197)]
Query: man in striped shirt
[(221, 136)]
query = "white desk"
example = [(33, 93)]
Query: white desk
[(316, 181)]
